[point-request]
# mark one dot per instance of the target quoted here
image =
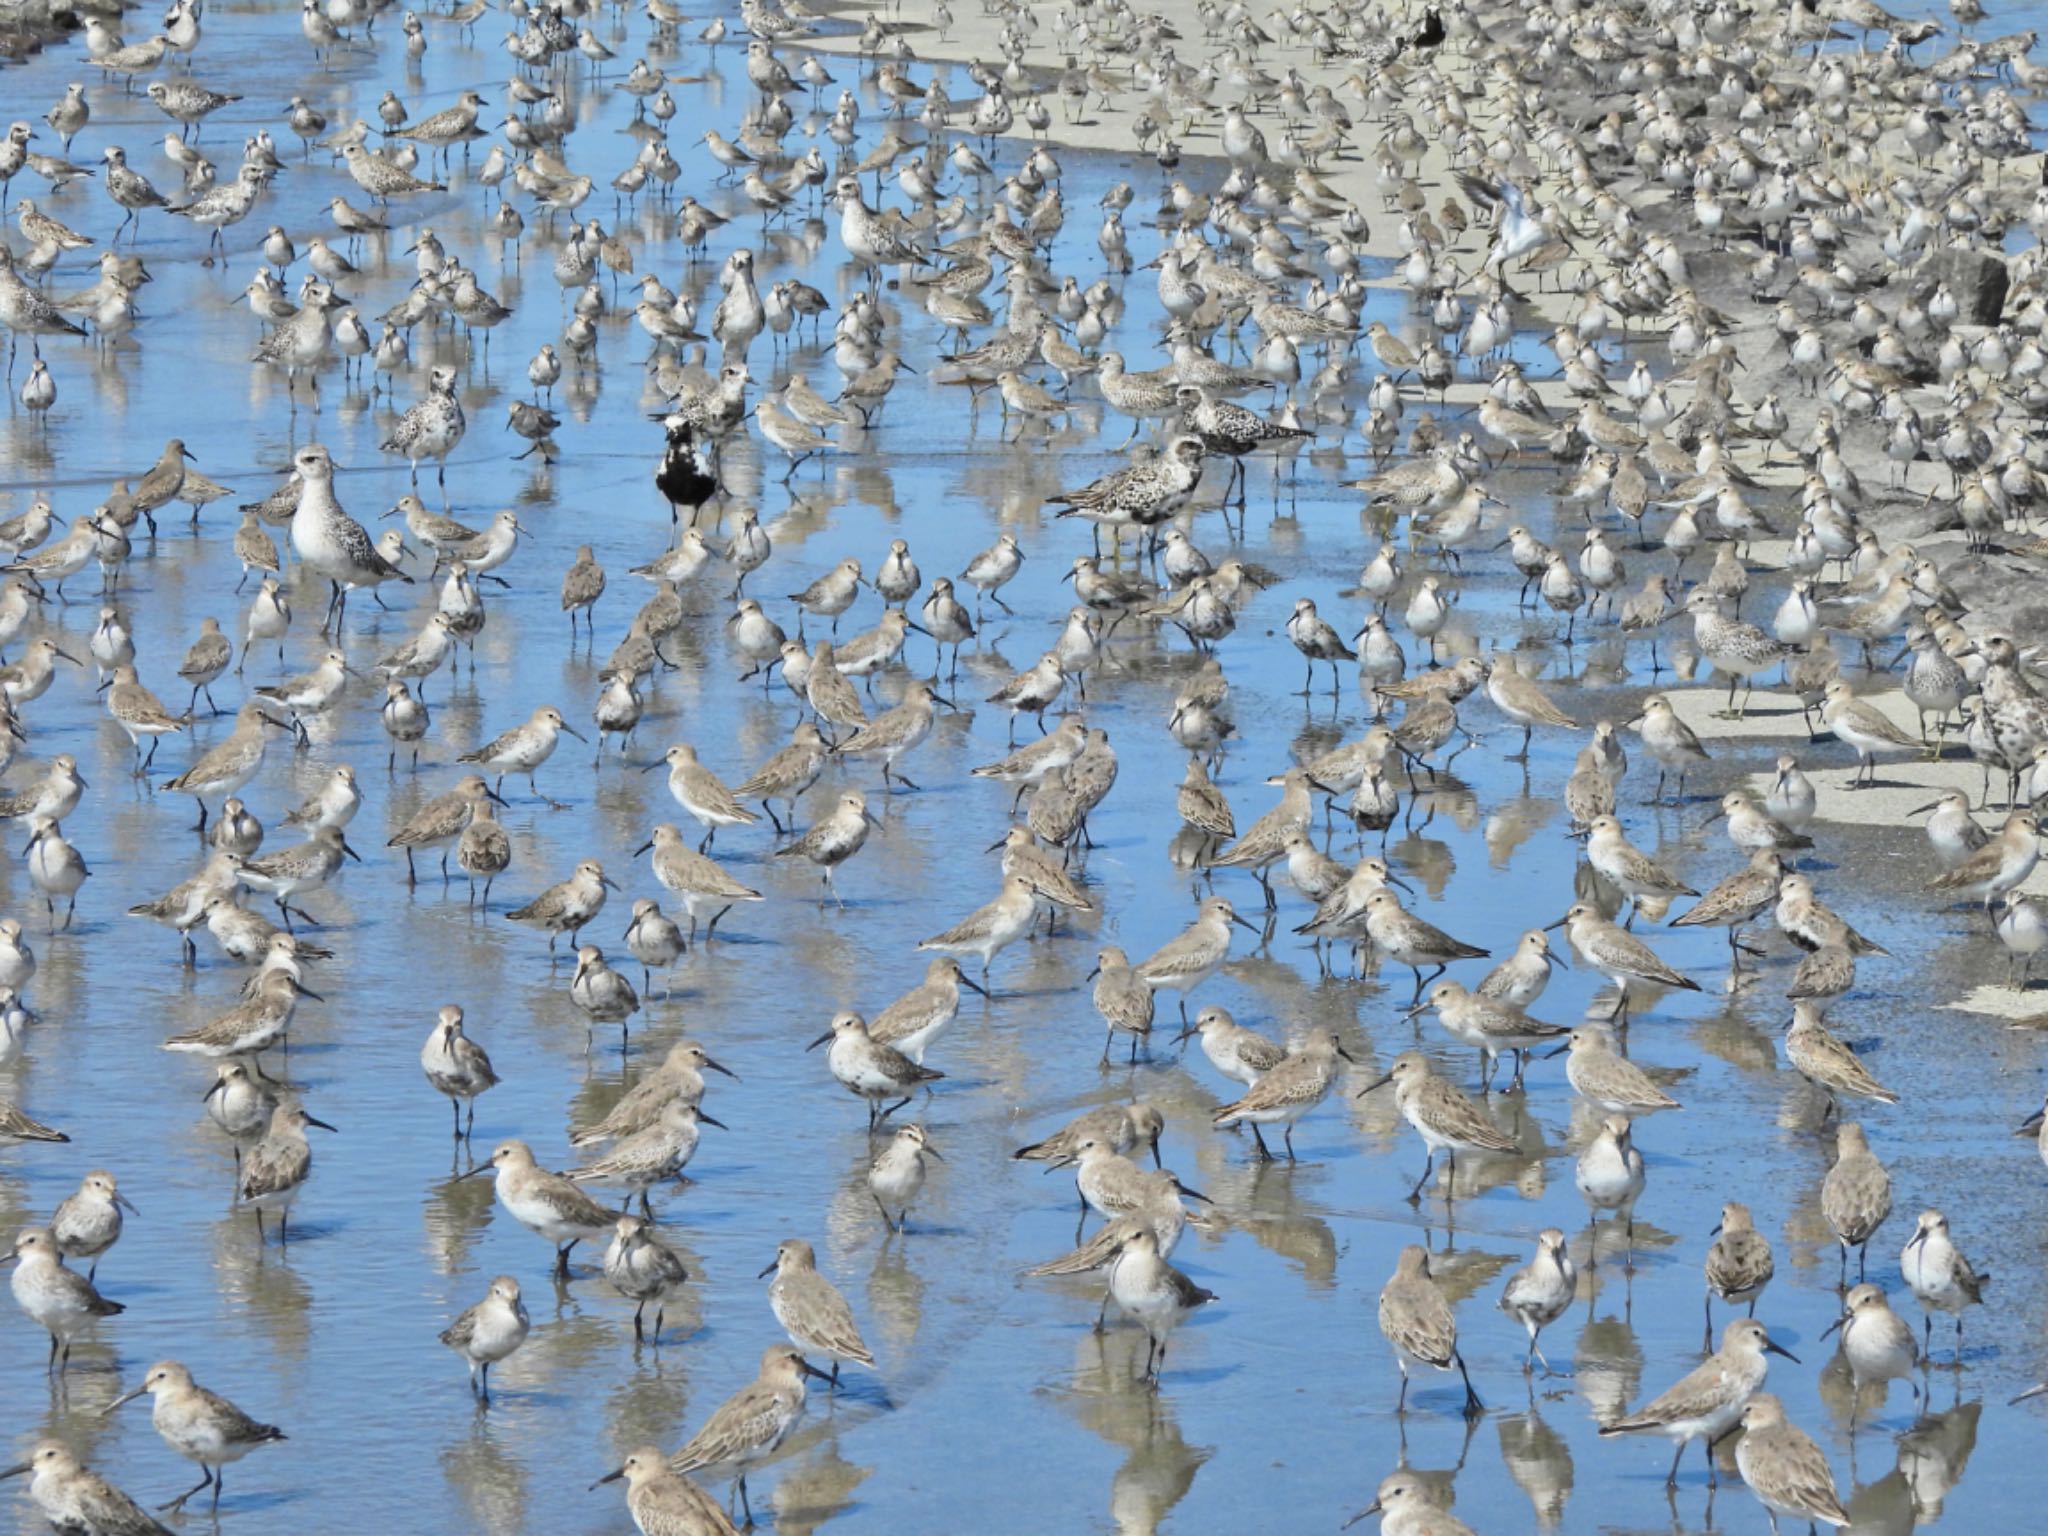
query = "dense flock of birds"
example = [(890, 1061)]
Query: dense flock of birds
[(1760, 253)]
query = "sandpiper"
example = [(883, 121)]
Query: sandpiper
[(1601, 1075), (1287, 1090), (679, 1079), (199, 1425), (897, 1174), (834, 838), (1488, 1024), (1190, 958), (654, 1154), (58, 1300), (523, 749), (642, 1268), (1618, 955), (1783, 1467), (810, 1308), (441, 822), (992, 927), (1541, 1291), (1707, 1402), (74, 1498), (661, 1500), (1442, 1116), (277, 1167), (1417, 1320), (1739, 1264), (1117, 1126), (1941, 1279), (1153, 1293), (457, 1067), (567, 905), (915, 1019), (545, 1203), (489, 1332), (702, 793), (1877, 1343), (748, 1426), (1856, 1195), (695, 877), (1827, 1061), (87, 1222), (869, 1069)]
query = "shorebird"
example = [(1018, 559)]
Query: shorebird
[(810, 1308), (1417, 1320), (1877, 1343), (869, 1069), (88, 1222), (1784, 1468), (199, 1425), (1739, 1264), (1856, 1195), (1708, 1401), (1153, 1293), (457, 1067), (642, 1268), (749, 1426), (1541, 1292), (1195, 954), (1286, 1091), (658, 1498), (489, 1332), (274, 1170), (58, 1300), (74, 1498), (1941, 1279), (1442, 1116), (545, 1203), (523, 749)]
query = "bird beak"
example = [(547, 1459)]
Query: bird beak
[(576, 733), (1835, 1326), (1552, 958), (992, 847), (934, 1151), (609, 882), (704, 1119), (804, 1365), (351, 852), (479, 1168), (643, 848), (1553, 1055), (1771, 1348), (723, 1071), (975, 986), (188, 453), (2033, 1391), (1420, 1008), (17, 1471), (822, 1039), (126, 1204), (2031, 1126), (492, 794), (322, 1124), (870, 817), (69, 657), (610, 1477), (1371, 1086), (773, 1265), (1243, 923), (1187, 1034), (918, 628), (1192, 1194), (105, 1413), (1548, 927), (1922, 810)]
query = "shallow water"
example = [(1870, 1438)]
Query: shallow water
[(1283, 1394)]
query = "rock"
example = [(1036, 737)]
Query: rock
[(1977, 279)]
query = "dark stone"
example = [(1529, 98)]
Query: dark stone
[(1979, 281)]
